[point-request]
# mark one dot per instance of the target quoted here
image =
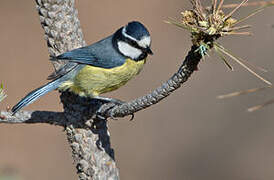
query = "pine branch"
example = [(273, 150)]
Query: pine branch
[(91, 151), (88, 135)]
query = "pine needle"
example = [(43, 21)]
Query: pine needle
[(256, 11), (238, 33), (255, 108), (255, 66), (223, 58), (240, 28), (220, 6), (239, 61), (258, 3), (178, 24), (235, 9), (214, 5), (238, 93)]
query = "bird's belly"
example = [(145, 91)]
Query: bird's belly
[(92, 81)]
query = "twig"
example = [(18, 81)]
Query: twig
[(33, 117)]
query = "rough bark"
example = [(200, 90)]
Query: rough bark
[(90, 145)]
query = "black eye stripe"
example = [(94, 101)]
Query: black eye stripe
[(134, 44)]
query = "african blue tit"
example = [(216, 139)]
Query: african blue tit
[(98, 68)]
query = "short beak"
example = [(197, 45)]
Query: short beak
[(149, 51)]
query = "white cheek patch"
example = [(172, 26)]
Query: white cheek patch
[(128, 50), (144, 42)]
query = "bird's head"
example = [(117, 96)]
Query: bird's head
[(133, 41)]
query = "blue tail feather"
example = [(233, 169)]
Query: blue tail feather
[(36, 94)]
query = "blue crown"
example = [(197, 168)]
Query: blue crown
[(137, 30)]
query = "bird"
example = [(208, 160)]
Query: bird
[(100, 67)]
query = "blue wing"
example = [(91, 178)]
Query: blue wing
[(101, 54), (80, 55)]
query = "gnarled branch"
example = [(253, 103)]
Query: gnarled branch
[(32, 117)]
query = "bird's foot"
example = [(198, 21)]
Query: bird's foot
[(109, 104)]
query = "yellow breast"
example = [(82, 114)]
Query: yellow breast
[(92, 81)]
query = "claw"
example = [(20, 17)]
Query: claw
[(112, 117), (104, 108), (132, 117)]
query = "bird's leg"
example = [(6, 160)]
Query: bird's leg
[(110, 103), (109, 100)]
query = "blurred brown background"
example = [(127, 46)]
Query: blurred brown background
[(190, 135)]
